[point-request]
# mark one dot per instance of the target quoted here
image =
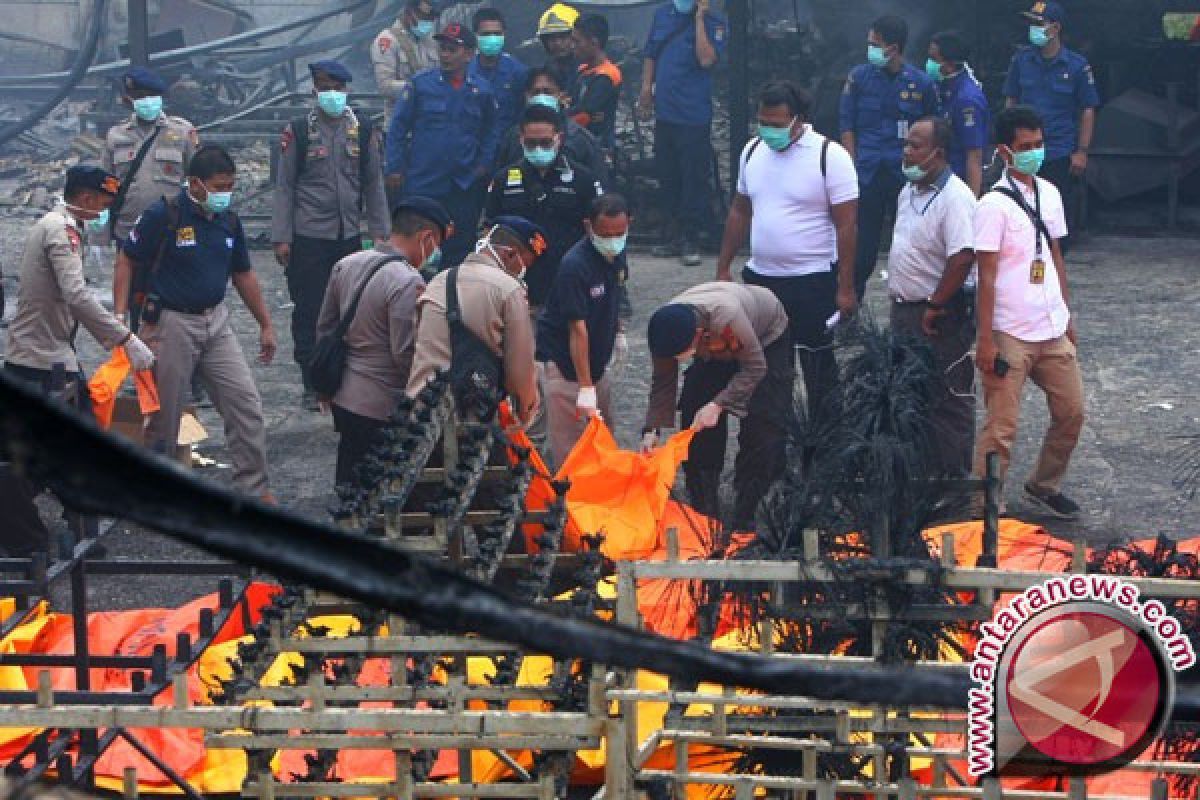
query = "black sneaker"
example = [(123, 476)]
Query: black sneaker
[(668, 250), (1054, 505), (691, 254)]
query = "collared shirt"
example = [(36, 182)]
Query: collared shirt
[(682, 88), (878, 107), (441, 137), (596, 106), (1031, 312), (1059, 89), (493, 308), (557, 198), (738, 323), (933, 223), (579, 145), (199, 259), (966, 109), (507, 78), (397, 57), (162, 171), (327, 200), (792, 231), (585, 289), (53, 297), (380, 339)]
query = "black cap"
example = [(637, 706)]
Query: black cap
[(87, 177), (333, 69), (532, 234), (144, 78), (459, 34), (428, 208)]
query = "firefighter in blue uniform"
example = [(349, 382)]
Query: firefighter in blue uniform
[(442, 139), (506, 74), (1058, 83), (881, 99), (964, 106)]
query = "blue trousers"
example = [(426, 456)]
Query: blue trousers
[(683, 158), (876, 202), (465, 207)]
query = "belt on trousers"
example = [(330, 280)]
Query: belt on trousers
[(186, 309), (961, 295)]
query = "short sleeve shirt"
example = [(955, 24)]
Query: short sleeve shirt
[(932, 225), (199, 257), (683, 89), (878, 108), (792, 231), (1031, 312), (584, 289), (966, 109), (1059, 89)]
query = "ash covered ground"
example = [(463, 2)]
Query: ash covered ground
[(1136, 301)]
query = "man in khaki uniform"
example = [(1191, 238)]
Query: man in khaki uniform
[(494, 308), (741, 364), (403, 50), (330, 178), (164, 165)]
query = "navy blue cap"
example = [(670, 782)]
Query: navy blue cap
[(671, 330), (458, 34), (145, 78), (95, 178), (334, 69), (428, 208), (1047, 12), (532, 234)]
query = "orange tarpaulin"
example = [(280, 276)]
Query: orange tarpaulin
[(106, 382)]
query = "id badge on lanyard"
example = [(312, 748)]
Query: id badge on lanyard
[(1037, 267)]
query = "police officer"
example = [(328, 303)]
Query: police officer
[(187, 248), (554, 31), (548, 189), (443, 136), (881, 99), (401, 51), (542, 89), (169, 142), (599, 81), (963, 105), (330, 176), (506, 74), (686, 41), (1058, 83)]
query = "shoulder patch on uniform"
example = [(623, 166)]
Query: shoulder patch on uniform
[(185, 237), (968, 115), (515, 177), (384, 43), (1091, 76), (286, 138), (719, 33), (73, 238)]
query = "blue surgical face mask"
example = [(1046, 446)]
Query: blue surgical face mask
[(540, 157), (917, 172), (547, 100), (1038, 36), (332, 102), (876, 56), (98, 224), (491, 44), (934, 70), (777, 139), (610, 246), (433, 260), (217, 202), (148, 109), (1029, 162), (685, 6), (422, 29)]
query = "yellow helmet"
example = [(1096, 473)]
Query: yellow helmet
[(559, 18)]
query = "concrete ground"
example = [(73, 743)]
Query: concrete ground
[(1136, 303)]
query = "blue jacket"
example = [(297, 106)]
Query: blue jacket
[(877, 107), (682, 88), (441, 137), (508, 82), (965, 107), (1059, 89)]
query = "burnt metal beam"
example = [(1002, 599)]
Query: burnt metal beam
[(739, 82), (139, 33)]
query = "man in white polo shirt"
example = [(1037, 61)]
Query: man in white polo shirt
[(1025, 328), (933, 249), (797, 200)]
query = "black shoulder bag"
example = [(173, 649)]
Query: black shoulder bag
[(476, 373), (328, 362), (118, 202)]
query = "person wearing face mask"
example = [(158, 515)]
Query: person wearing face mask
[(685, 43), (964, 106), (149, 152), (547, 188), (328, 187), (579, 145), (881, 99), (184, 251), (554, 32), (494, 310), (506, 74), (401, 51), (579, 332), (931, 258), (736, 340), (1026, 330), (796, 201), (379, 340), (1059, 84)]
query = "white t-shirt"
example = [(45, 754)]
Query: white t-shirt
[(792, 232), (1031, 312), (932, 224)]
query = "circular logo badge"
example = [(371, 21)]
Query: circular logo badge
[(1086, 689)]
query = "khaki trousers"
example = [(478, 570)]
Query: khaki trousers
[(1053, 366), (206, 344), (558, 406)]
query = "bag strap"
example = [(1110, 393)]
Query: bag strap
[(453, 313), (364, 142), (1024, 206), (300, 141), (123, 190), (173, 214), (345, 322)]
